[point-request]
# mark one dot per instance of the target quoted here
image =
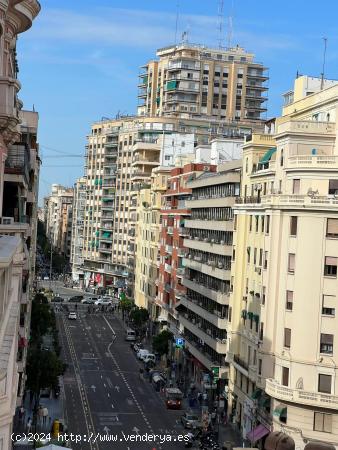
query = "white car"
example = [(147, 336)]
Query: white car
[(103, 301), (149, 357), (142, 353), (72, 315)]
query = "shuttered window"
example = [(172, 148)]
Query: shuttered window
[(285, 376), (322, 422), (289, 300), (293, 225), (287, 337), (332, 228), (326, 343), (329, 305), (330, 267), (291, 262), (296, 186)]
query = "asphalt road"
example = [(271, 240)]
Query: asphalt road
[(104, 395)]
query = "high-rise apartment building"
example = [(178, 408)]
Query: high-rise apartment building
[(196, 81), (204, 312), (58, 216), (283, 343), (19, 171), (78, 212)]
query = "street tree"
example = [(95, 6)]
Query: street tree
[(161, 342)]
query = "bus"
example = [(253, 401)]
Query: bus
[(130, 335), (173, 398)]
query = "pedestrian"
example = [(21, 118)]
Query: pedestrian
[(40, 413), (29, 425), (44, 415)]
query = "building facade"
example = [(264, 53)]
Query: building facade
[(59, 206), (283, 330), (195, 81), (19, 171), (78, 211)]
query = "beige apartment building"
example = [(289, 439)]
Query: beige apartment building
[(77, 223), (19, 171), (58, 217), (194, 81), (147, 236), (283, 342)]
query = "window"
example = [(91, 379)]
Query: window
[(285, 376), (260, 362), (287, 337), (293, 225), (289, 300), (256, 223), (266, 255), (332, 228), (260, 257), (324, 383), (250, 223), (291, 263), (282, 157), (262, 223), (267, 228), (322, 422), (333, 187), (296, 186), (261, 332), (263, 295), (255, 255), (330, 267), (248, 253), (326, 343), (329, 305)]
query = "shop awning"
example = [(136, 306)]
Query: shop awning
[(267, 155), (257, 433), (280, 411)]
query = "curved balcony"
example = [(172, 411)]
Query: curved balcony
[(316, 399), (25, 11)]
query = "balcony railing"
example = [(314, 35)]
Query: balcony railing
[(17, 161), (240, 362), (318, 399)]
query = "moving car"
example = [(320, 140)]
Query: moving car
[(173, 398), (130, 335), (89, 300), (76, 299), (190, 420), (103, 301), (72, 315)]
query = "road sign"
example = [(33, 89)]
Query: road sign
[(215, 372), (179, 342)]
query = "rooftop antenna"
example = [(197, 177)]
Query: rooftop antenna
[(220, 23), (230, 25), (185, 37), (177, 18), (324, 59)]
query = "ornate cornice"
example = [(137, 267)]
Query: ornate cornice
[(21, 13)]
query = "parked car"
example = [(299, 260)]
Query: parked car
[(72, 315), (149, 357), (89, 300), (142, 353), (57, 300), (76, 299), (190, 420)]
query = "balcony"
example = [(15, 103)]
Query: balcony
[(240, 365), (320, 162), (222, 274), (140, 175), (170, 230), (217, 225), (167, 268), (306, 126), (219, 347), (169, 249), (213, 318), (208, 246), (300, 396), (180, 271), (217, 296), (183, 231), (17, 161)]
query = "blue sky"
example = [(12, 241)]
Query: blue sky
[(80, 60)]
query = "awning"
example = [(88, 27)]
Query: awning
[(267, 156), (257, 433), (257, 393), (280, 411)]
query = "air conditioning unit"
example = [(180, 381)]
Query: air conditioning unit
[(7, 220)]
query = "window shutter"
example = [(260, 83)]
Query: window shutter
[(291, 262), (318, 422), (327, 428), (332, 227), (287, 337), (326, 339), (330, 261), (329, 301)]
